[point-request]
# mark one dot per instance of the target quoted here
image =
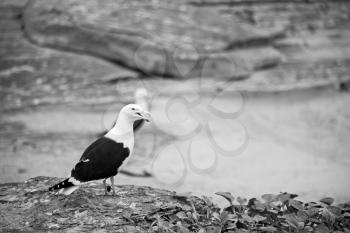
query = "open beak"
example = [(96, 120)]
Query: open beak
[(146, 116)]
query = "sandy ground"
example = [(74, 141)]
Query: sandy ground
[(246, 144)]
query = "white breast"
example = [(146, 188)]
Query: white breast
[(130, 145)]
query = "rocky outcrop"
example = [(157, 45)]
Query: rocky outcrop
[(155, 37), (29, 207), (63, 52), (29, 70)]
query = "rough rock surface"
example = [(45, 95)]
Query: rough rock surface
[(74, 51), (156, 37), (30, 73), (29, 207)]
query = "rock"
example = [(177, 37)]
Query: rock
[(78, 51), (29, 207), (156, 37), (30, 73)]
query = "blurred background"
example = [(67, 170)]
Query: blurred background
[(247, 96)]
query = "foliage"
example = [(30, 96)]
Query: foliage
[(273, 213)]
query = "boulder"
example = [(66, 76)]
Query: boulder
[(31, 74), (155, 37), (29, 207)]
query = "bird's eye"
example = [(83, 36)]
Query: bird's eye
[(133, 109)]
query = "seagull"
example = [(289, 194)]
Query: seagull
[(105, 156)]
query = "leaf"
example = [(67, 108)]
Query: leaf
[(258, 205), (314, 204), (286, 196), (208, 201), (227, 196), (311, 211), (216, 215), (291, 220), (329, 216), (273, 211), (314, 220), (334, 210), (327, 200), (322, 229), (187, 207), (195, 216), (251, 202), (231, 226), (241, 200), (189, 216), (308, 228), (241, 231), (247, 218), (232, 217), (258, 218), (302, 215), (269, 198), (268, 229), (296, 204), (224, 217), (213, 229)]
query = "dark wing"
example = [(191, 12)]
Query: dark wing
[(101, 160), (93, 145)]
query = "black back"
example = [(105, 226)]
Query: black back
[(104, 157)]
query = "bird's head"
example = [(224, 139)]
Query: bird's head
[(134, 112)]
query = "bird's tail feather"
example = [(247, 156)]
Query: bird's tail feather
[(69, 190), (64, 184)]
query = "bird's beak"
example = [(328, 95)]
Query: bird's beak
[(146, 116)]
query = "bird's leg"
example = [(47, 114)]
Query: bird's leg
[(105, 186), (112, 184)]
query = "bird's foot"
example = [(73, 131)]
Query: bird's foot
[(107, 190)]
